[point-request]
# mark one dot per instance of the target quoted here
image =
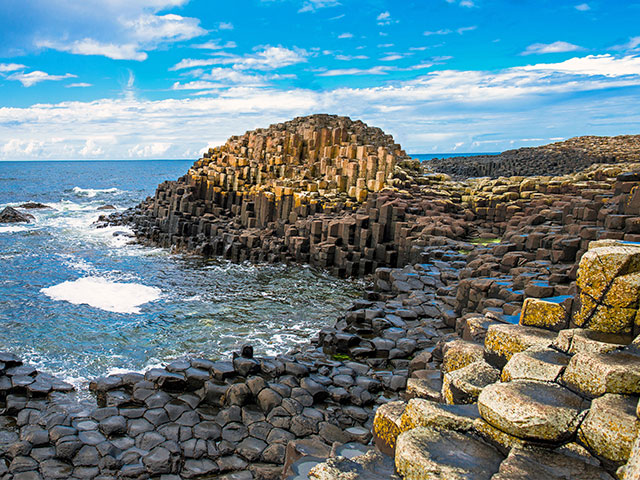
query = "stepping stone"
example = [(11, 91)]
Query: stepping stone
[(503, 341), (528, 463), (611, 426), (532, 410), (548, 313), (425, 413), (386, 426), (535, 363), (425, 452), (369, 466), (576, 340), (459, 354), (596, 374), (463, 386)]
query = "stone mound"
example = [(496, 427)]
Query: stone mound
[(560, 158)]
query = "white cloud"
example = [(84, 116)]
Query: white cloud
[(463, 3), (583, 7), (112, 28), (463, 30), (88, 46), (385, 19), (314, 5), (381, 70), (471, 108), (348, 58), (631, 46), (444, 31), (79, 85), (193, 63), (214, 45), (11, 67), (230, 76), (91, 149), (225, 26), (555, 47), (345, 35), (196, 85), (392, 57), (269, 58), (153, 150), (37, 76)]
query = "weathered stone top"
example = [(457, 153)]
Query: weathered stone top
[(318, 154), (558, 158)]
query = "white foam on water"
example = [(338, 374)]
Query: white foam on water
[(13, 229), (92, 192), (104, 294)]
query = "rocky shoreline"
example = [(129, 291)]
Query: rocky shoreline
[(499, 339)]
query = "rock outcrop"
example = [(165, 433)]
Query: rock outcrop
[(560, 158), (498, 339), (11, 215)]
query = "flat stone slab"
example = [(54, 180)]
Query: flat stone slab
[(503, 341), (370, 466), (460, 353), (427, 453), (463, 386), (535, 363), (532, 410), (595, 374), (577, 340), (425, 413), (610, 427), (534, 463)]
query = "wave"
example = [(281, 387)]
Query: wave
[(92, 192), (14, 229), (104, 294)]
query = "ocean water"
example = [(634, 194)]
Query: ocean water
[(81, 302), (430, 156)]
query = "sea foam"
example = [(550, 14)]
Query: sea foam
[(92, 192), (104, 294)]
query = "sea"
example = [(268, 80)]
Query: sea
[(81, 302)]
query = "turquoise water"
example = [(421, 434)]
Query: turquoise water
[(81, 302)]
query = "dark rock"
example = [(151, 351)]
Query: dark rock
[(11, 215)]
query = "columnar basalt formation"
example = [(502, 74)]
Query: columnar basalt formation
[(499, 338)]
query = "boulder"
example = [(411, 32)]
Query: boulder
[(369, 466), (426, 452), (536, 463), (425, 413), (460, 353), (532, 410), (386, 426), (610, 427), (545, 313), (535, 363), (11, 215), (503, 341), (463, 386), (595, 374)]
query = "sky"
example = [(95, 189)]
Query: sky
[(136, 79)]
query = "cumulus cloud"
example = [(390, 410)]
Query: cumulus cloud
[(11, 67), (631, 46), (37, 76), (269, 58), (112, 28), (345, 35), (555, 47), (385, 19), (583, 7), (215, 45), (470, 108)]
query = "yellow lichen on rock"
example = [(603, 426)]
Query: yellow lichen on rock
[(544, 314), (386, 426)]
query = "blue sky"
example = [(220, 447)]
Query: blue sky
[(122, 79)]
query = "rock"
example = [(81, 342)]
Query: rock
[(106, 207), (369, 466), (528, 463), (386, 426), (543, 313), (463, 386), (425, 413), (11, 215), (535, 363), (33, 205), (577, 340), (531, 410), (503, 341), (459, 354), (610, 427), (595, 374), (429, 453)]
